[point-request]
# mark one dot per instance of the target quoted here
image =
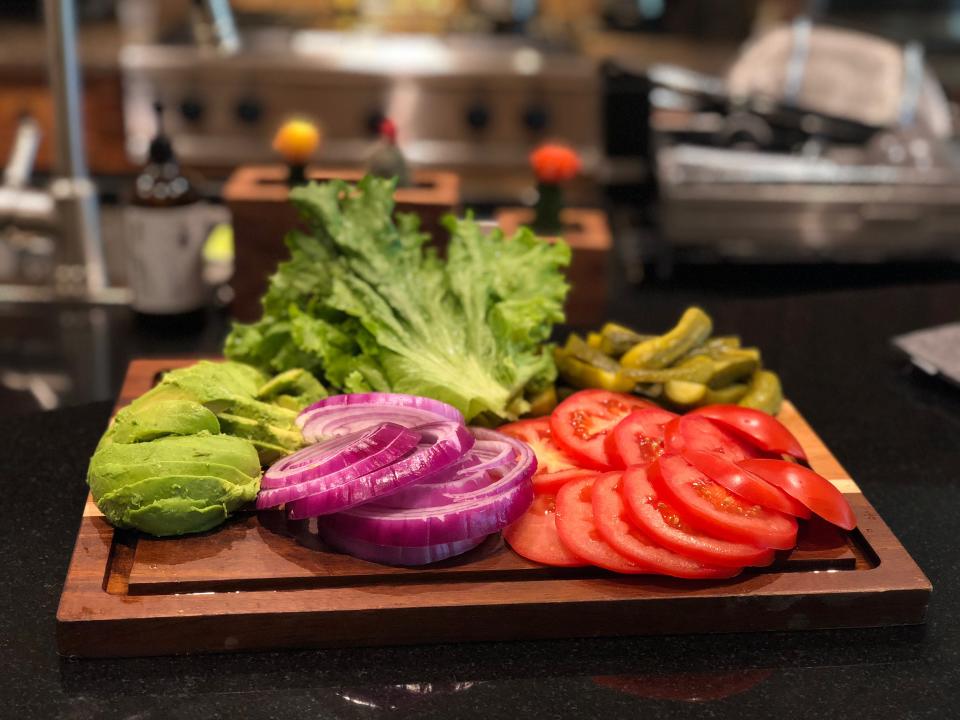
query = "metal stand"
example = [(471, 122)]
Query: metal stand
[(81, 270)]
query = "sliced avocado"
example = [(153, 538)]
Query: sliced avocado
[(218, 449), (255, 410), (268, 452), (213, 490), (114, 475), (165, 493), (208, 383), (175, 516), (187, 453), (284, 437), (141, 423), (293, 389)]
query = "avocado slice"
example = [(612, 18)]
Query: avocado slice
[(142, 423), (285, 438), (124, 503), (176, 516), (293, 389), (218, 449), (206, 382), (113, 474)]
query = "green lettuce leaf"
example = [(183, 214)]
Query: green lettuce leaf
[(366, 305)]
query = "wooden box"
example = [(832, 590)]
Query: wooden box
[(588, 234), (262, 215), (262, 582)]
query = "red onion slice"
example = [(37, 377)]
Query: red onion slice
[(474, 471), (394, 555), (441, 445), (360, 452), (473, 514), (343, 414)]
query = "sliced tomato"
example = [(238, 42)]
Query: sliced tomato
[(657, 518), (691, 432), (610, 517), (579, 533), (582, 422), (551, 483), (554, 466), (534, 535), (806, 486), (755, 426), (744, 483), (715, 510), (536, 433), (638, 438)]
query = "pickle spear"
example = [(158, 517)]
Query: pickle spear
[(586, 367), (764, 392), (661, 351), (733, 366), (615, 339), (713, 371)]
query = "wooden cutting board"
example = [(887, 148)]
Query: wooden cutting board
[(262, 582)]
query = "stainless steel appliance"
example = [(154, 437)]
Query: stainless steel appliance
[(817, 143), (475, 105)]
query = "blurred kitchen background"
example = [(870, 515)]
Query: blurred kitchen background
[(752, 143)]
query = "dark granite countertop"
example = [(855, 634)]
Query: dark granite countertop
[(895, 430)]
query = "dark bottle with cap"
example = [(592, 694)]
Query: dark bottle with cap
[(166, 225), (161, 184), (387, 160)]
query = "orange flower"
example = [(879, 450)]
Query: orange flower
[(553, 163), (297, 139)]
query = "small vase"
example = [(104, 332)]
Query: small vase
[(546, 220)]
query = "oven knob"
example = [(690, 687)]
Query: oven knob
[(374, 119), (478, 116), (536, 118), (191, 109), (249, 111)]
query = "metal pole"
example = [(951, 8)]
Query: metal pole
[(81, 268)]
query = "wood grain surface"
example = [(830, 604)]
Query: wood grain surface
[(261, 582)]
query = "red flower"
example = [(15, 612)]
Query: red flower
[(388, 130), (555, 163)]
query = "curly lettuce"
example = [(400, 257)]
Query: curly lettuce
[(365, 305)]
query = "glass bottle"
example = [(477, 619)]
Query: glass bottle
[(166, 226)]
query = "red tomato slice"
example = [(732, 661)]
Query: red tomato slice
[(690, 432), (656, 518), (715, 510), (582, 422), (610, 517), (534, 535), (550, 483), (536, 433), (554, 466), (811, 489), (744, 483), (579, 533), (638, 438), (764, 431)]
